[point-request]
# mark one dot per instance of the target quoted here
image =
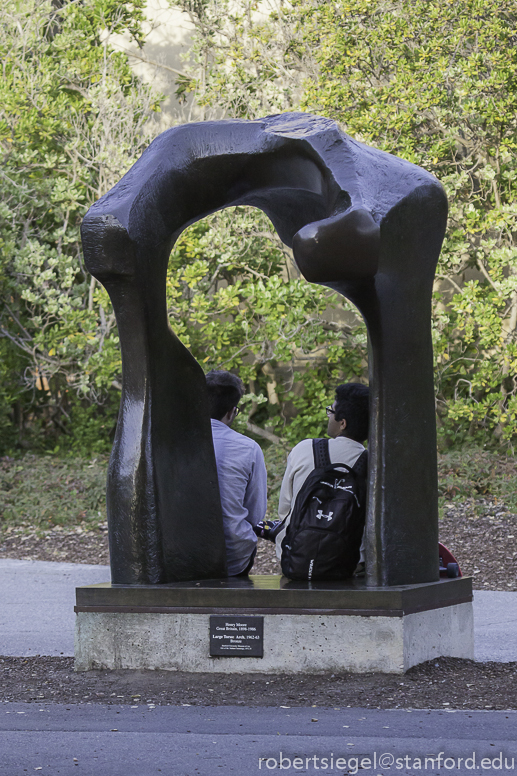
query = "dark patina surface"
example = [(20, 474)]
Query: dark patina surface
[(360, 221)]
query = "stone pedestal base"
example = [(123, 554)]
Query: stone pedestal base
[(308, 628)]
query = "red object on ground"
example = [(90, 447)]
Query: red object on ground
[(449, 566)]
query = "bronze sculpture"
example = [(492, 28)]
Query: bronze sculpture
[(360, 221)]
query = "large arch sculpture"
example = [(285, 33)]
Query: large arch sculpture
[(360, 221)]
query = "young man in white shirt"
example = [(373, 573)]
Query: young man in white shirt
[(241, 473), (347, 428)]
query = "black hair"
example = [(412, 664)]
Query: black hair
[(352, 404), (224, 392)]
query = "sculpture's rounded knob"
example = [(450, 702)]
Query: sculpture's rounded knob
[(344, 247)]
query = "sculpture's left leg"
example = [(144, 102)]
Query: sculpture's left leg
[(164, 511)]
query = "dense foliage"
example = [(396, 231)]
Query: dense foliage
[(436, 83), (432, 82), (72, 119), (237, 300)]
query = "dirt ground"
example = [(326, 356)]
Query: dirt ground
[(484, 544), (445, 683)]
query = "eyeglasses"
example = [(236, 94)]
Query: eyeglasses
[(236, 410), (330, 411)]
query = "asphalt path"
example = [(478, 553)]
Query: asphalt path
[(495, 626), (38, 597), (61, 740)]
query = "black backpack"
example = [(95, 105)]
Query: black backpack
[(324, 534)]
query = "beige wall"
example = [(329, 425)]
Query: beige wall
[(167, 39), (160, 61)]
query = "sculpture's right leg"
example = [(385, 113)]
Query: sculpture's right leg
[(402, 522), (398, 262), (164, 511)]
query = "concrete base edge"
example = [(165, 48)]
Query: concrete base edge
[(293, 644)]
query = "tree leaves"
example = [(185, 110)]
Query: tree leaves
[(435, 83), (73, 119), (236, 300)]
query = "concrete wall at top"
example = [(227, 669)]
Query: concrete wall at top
[(160, 61)]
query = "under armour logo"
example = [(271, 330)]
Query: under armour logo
[(321, 516)]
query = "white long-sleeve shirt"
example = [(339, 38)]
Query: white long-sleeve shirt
[(241, 472), (300, 463)]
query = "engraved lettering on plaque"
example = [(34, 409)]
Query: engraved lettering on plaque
[(236, 636)]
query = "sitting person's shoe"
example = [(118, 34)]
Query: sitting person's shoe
[(268, 529)]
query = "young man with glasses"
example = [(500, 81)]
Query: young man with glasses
[(241, 473), (347, 428)]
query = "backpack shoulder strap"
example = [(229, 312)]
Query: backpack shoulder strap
[(320, 451), (360, 467)]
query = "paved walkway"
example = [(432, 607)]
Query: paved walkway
[(197, 741), (37, 611), (38, 599), (495, 626)]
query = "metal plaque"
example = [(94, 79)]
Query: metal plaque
[(236, 636)]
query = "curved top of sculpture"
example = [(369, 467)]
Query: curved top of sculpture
[(316, 184)]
